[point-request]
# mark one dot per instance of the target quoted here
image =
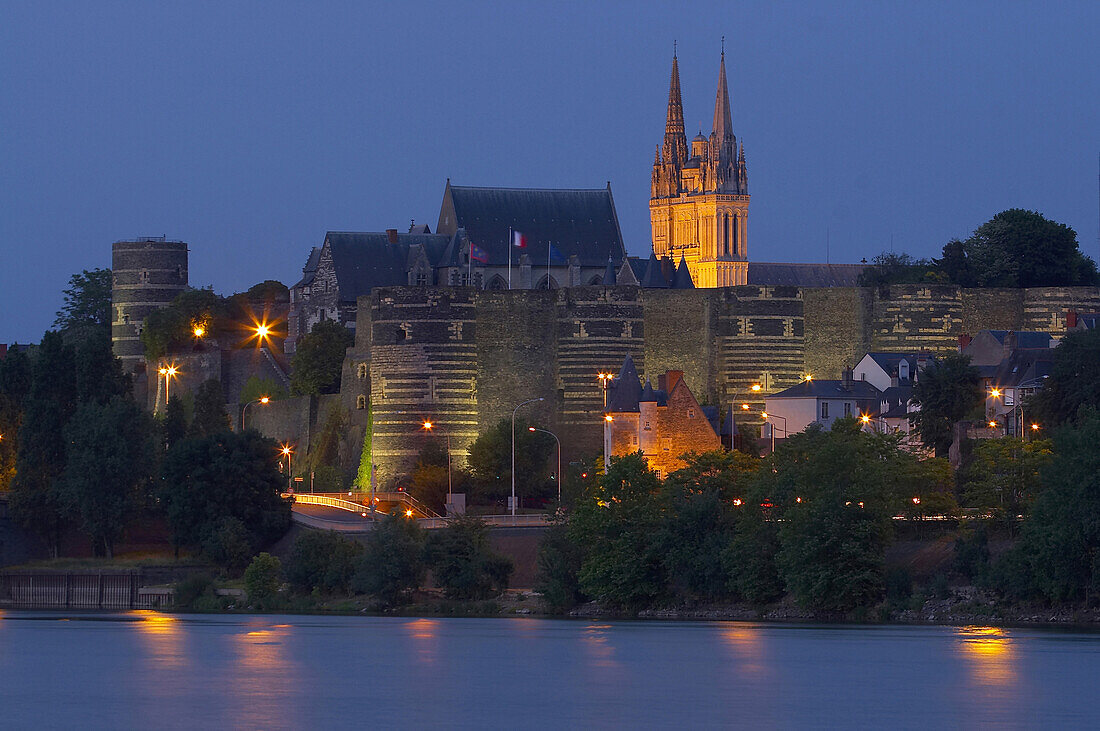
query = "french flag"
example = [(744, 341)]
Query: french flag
[(519, 240)]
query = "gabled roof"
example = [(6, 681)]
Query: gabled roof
[(609, 277), (1024, 338), (653, 278), (580, 223), (805, 275), (366, 260), (889, 362), (830, 389), (682, 278), (1024, 368), (309, 271)]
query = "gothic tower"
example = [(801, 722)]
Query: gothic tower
[(699, 199)]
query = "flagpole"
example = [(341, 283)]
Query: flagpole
[(469, 264), (548, 264), (508, 247)]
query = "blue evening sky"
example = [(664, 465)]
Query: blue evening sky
[(248, 129)]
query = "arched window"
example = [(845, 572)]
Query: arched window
[(361, 371), (595, 280), (360, 401), (497, 282), (547, 282)]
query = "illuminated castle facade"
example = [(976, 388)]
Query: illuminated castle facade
[(699, 200)]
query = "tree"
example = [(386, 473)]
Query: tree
[(318, 359), (15, 384), (463, 564), (98, 373), (947, 391), (1019, 248), (171, 327), (324, 561), (174, 426), (392, 564), (262, 578), (256, 387), (559, 562), (225, 474), (490, 460), (889, 268), (1003, 475), (1074, 380), (108, 467), (41, 457), (210, 414), (87, 302), (749, 561)]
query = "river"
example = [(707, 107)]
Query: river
[(149, 670)]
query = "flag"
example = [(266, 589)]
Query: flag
[(479, 254), (519, 240)]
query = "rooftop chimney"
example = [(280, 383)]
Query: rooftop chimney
[(846, 379), (964, 340), (391, 234), (1071, 319), (671, 379)]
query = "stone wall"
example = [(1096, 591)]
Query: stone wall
[(464, 358)]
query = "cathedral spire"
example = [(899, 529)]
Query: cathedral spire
[(675, 138), (723, 119)]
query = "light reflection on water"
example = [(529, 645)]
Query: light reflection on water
[(161, 635), (597, 644), (990, 654), (746, 644), (263, 676), (424, 633)]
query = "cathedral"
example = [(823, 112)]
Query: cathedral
[(699, 199)]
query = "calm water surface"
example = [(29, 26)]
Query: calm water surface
[(162, 671)]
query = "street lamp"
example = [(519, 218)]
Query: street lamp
[(518, 407), (286, 452), (767, 416), (167, 372), (261, 400), (428, 427), (546, 431), (605, 381)]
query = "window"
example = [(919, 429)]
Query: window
[(658, 473), (666, 444), (361, 371), (691, 413), (847, 409), (421, 279), (824, 409), (634, 439), (360, 401), (647, 427)]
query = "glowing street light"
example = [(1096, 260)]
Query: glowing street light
[(198, 331), (756, 387), (408, 513), (168, 372), (428, 427), (608, 417), (992, 424), (518, 407), (1034, 427), (995, 392), (605, 381), (809, 376), (262, 400), (286, 451)]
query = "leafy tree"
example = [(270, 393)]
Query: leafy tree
[(15, 384), (49, 404), (1003, 475), (108, 467), (490, 460), (1074, 380), (170, 328), (98, 374), (392, 564), (226, 474), (269, 291), (262, 578), (325, 561), (174, 426), (749, 561), (947, 391), (87, 302), (256, 387), (1055, 558), (210, 415), (318, 359), (889, 268), (227, 542), (559, 562), (1018, 248), (462, 562), (617, 525), (955, 264)]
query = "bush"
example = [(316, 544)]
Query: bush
[(462, 563), (972, 554), (325, 561), (262, 578), (228, 543), (392, 564), (191, 588), (899, 585), (559, 561)]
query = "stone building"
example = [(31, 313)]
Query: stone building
[(663, 423), (699, 199), (147, 274)]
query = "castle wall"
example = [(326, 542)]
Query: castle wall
[(465, 358)]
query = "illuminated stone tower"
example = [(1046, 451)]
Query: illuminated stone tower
[(699, 200)]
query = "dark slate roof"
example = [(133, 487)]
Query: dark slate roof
[(637, 267), (729, 426), (894, 401), (609, 273), (829, 389), (367, 260), (649, 393), (682, 278), (1025, 367), (309, 271), (1024, 338), (653, 277), (1089, 320), (890, 362), (577, 222), (805, 275), (711, 412), (625, 389)]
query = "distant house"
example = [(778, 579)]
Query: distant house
[(881, 369), (1082, 320), (989, 348), (1018, 376), (663, 422), (820, 402)]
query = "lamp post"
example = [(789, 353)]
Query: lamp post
[(261, 400), (518, 407), (547, 431), (428, 427), (167, 372), (286, 452), (605, 380), (768, 416)]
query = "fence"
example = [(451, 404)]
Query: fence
[(79, 591)]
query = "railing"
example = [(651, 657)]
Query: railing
[(79, 590), (533, 520), (331, 502), (359, 500)]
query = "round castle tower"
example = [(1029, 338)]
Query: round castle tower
[(148, 274)]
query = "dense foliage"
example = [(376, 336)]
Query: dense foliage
[(463, 564), (490, 460), (949, 389), (318, 359), (322, 561), (1074, 381), (392, 565)]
